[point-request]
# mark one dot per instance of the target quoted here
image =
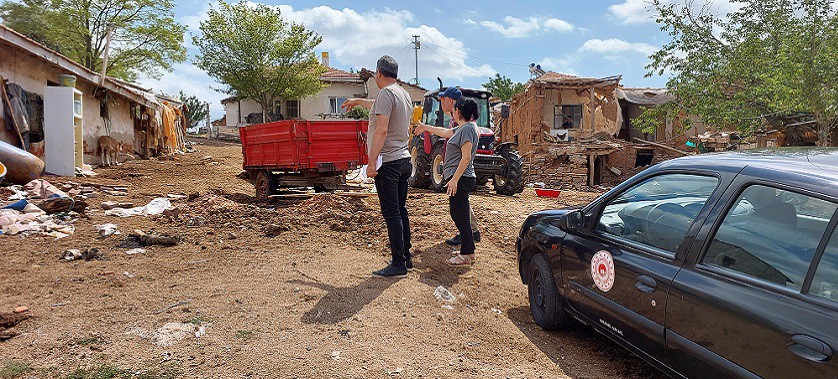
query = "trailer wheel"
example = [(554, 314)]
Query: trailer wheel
[(437, 162), (265, 185), (419, 177), (513, 181)]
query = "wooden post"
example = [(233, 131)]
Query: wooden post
[(591, 160), (593, 113), (11, 112)]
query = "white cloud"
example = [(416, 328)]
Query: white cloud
[(616, 45), (632, 12), (354, 39), (562, 65), (514, 27), (559, 25), (358, 39)]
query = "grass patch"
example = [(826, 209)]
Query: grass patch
[(13, 369), (167, 371), (93, 340), (245, 334), (197, 320), (102, 371)]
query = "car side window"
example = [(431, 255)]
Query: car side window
[(766, 236), (825, 281), (658, 211)]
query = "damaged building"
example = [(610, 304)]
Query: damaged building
[(64, 108), (575, 132)]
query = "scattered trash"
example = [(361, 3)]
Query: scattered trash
[(498, 311), (107, 230), (395, 372), (61, 304), (152, 238), (442, 294), (87, 255), (154, 207), (42, 189), (335, 355), (195, 222), (175, 305), (447, 306), (200, 332), (108, 205), (21, 309), (176, 197), (127, 274), (136, 251), (168, 334)]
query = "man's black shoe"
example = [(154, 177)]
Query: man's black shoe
[(408, 264), (391, 272), (458, 240)]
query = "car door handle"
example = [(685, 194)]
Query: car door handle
[(810, 348), (646, 284)]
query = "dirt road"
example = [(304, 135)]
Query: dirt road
[(283, 289)]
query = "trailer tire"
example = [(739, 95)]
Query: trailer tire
[(513, 181), (437, 164), (265, 185), (419, 175)]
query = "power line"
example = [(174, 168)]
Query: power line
[(403, 49), (476, 57), (456, 63)]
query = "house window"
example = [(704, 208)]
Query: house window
[(292, 109), (335, 103), (567, 116)]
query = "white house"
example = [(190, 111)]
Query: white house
[(326, 104)]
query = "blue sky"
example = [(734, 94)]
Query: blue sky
[(464, 43)]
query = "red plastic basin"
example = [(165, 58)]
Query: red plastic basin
[(543, 192)]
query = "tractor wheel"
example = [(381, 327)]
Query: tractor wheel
[(437, 161), (265, 185), (513, 181), (419, 177), (482, 180)]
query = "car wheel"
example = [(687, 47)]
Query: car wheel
[(545, 303)]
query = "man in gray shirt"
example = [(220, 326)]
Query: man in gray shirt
[(390, 114)]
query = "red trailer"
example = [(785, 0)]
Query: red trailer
[(296, 153)]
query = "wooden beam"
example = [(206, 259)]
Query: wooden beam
[(672, 149)]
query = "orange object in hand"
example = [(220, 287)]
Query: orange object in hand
[(417, 114)]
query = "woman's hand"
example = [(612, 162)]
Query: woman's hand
[(452, 187)]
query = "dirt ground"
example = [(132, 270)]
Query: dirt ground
[(284, 289)]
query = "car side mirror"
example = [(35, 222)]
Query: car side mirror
[(572, 221)]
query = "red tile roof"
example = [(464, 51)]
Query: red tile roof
[(338, 73)]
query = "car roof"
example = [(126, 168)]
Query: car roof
[(822, 162)]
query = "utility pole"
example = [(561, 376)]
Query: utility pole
[(416, 47)]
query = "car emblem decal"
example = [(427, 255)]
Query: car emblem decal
[(602, 270)]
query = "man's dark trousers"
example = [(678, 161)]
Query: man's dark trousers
[(391, 184)]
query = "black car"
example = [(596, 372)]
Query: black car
[(710, 266)]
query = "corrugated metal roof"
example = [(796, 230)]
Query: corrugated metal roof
[(128, 90)]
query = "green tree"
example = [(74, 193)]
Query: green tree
[(146, 40), (359, 113), (28, 17), (258, 55), (196, 109), (769, 59), (503, 87)]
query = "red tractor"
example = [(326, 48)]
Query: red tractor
[(499, 162)]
